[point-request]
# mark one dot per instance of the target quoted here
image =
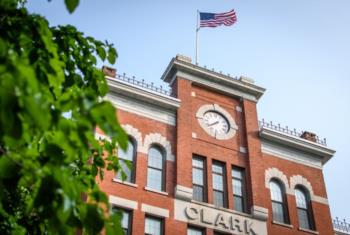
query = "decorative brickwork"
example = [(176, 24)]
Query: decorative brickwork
[(156, 138), (134, 133), (272, 173)]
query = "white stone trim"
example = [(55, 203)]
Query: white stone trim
[(209, 107), (319, 199), (124, 182), (122, 87), (142, 108), (242, 149), (207, 216), (260, 213), (182, 192), (291, 154), (322, 152), (135, 134), (272, 173), (154, 210), (156, 191), (156, 138), (122, 202)]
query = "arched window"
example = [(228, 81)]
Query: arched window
[(155, 171), (127, 162), (303, 202), (278, 199)]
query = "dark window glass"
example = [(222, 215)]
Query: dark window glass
[(194, 231), (219, 187), (220, 233), (238, 186), (126, 158), (153, 226), (279, 208), (304, 208), (198, 179), (155, 173), (126, 220)]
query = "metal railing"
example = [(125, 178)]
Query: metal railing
[(288, 131), (341, 225), (143, 84)]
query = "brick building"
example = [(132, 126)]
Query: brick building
[(204, 164)]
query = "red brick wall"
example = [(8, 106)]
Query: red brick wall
[(139, 194)]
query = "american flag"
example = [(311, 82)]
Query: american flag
[(217, 19)]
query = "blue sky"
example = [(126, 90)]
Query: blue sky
[(298, 50)]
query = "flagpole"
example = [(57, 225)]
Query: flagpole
[(197, 29)]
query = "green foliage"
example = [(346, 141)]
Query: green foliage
[(50, 104), (71, 5)]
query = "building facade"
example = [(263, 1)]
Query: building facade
[(202, 163)]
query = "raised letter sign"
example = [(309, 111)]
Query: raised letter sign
[(191, 213), (220, 220)]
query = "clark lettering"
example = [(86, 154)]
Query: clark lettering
[(222, 221)]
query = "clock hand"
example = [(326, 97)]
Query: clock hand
[(213, 123)]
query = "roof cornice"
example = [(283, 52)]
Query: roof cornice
[(211, 79), (127, 89), (324, 153)]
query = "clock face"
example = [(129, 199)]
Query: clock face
[(216, 123)]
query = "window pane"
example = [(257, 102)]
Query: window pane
[(153, 226), (218, 199), (300, 199), (155, 158), (197, 176), (154, 179), (126, 170), (125, 220), (217, 168), (237, 187), (218, 183), (198, 193), (276, 191), (277, 212), (197, 163), (128, 154), (237, 174), (194, 231), (303, 219), (238, 203)]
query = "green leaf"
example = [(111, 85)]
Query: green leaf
[(101, 52), (71, 5), (93, 219), (8, 167), (112, 55)]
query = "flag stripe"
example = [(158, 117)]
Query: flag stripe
[(217, 19)]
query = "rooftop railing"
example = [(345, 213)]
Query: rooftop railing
[(143, 84), (289, 131), (341, 226)]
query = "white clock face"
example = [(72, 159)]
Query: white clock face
[(216, 122)]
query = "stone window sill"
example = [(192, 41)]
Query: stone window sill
[(282, 224), (125, 183), (156, 191), (308, 230)]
